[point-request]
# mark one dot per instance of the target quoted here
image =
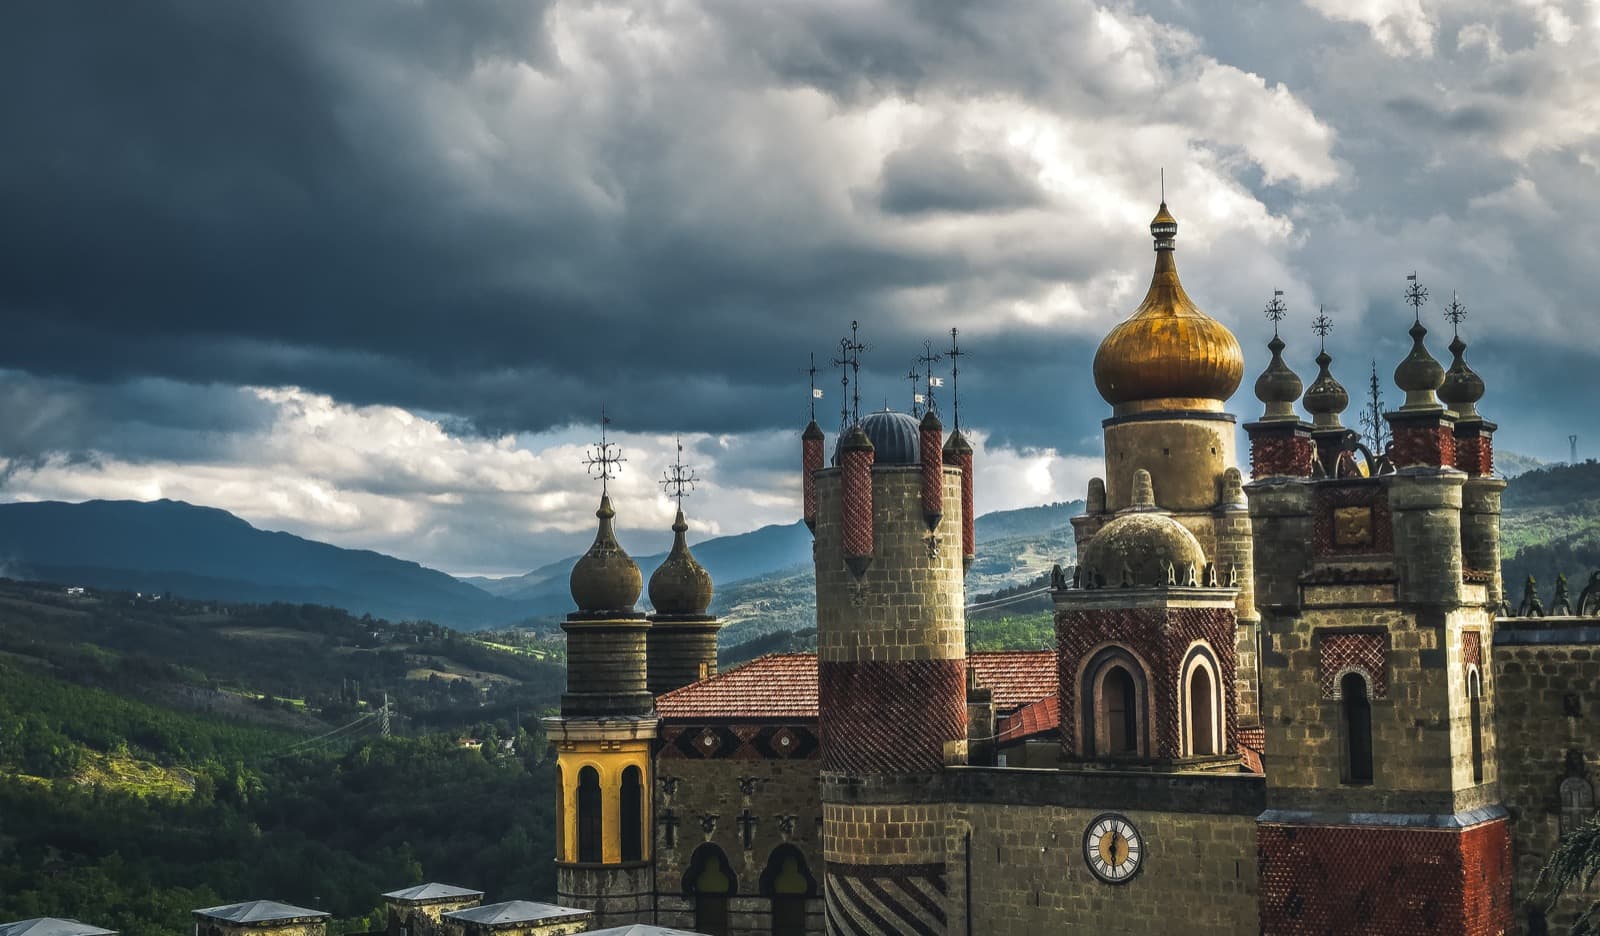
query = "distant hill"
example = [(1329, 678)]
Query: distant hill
[(201, 552), (1550, 526)]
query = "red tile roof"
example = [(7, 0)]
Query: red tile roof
[(1034, 719), (783, 686)]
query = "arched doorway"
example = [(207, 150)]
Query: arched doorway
[(710, 883), (590, 828), (787, 882)]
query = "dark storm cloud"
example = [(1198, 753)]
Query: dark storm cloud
[(930, 179)]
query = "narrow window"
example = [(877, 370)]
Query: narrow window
[(632, 817), (561, 816), (1122, 712), (1201, 738), (1475, 704), (589, 826), (1357, 729)]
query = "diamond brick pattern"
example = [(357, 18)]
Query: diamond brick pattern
[(1330, 497), (1161, 638), (740, 742), (969, 539), (1338, 654), (857, 497), (891, 717), (932, 473), (811, 453), (1363, 880), (1431, 443), (1474, 452), (1279, 452), (1472, 649)]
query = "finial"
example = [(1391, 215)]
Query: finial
[(1455, 313), (1164, 227), (680, 585), (1278, 386), (1462, 387), (1326, 398), (849, 364), (916, 398), (1416, 295), (928, 358), (1322, 325), (816, 394), (604, 461), (955, 388), (1144, 493), (678, 480), (1276, 310), (1163, 185)]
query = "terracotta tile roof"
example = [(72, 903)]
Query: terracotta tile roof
[(1032, 720), (783, 686), (1017, 677)]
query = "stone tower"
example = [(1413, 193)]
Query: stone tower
[(1167, 371), (683, 637), (1377, 591), (892, 678), (602, 739)]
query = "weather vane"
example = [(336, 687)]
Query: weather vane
[(849, 364), (1416, 295), (1322, 325), (603, 461), (930, 357), (816, 394), (916, 398), (678, 480), (1276, 310), (955, 388), (1455, 312)]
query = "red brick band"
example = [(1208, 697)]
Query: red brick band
[(882, 717), (811, 461), (1475, 452), (932, 473), (1279, 452), (856, 465), (1395, 881), (1430, 443), (969, 539)]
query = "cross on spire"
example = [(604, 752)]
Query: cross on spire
[(1455, 313), (815, 393), (955, 388), (1416, 295), (849, 364), (679, 480), (916, 398), (604, 460), (1322, 325), (1276, 310), (928, 358)]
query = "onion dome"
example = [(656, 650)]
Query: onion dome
[(1326, 398), (895, 438), (1462, 387), (680, 585), (1278, 386), (1168, 355), (605, 578), (1139, 545), (1419, 375)]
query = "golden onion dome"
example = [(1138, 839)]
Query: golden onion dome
[(1168, 355)]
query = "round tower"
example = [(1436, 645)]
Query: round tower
[(602, 739), (891, 647)]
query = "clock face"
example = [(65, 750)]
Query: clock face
[(1113, 849)]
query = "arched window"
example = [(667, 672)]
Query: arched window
[(1202, 740), (589, 824), (1357, 729), (1203, 714), (632, 817), (1121, 700), (787, 882), (1475, 707), (710, 882), (561, 815)]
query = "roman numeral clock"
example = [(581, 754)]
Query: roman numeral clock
[(1113, 848)]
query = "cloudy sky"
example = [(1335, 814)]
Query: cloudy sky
[(366, 270)]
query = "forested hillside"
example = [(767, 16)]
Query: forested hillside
[(1550, 527)]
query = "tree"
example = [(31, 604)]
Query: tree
[(1573, 866)]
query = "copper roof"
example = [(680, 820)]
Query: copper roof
[(783, 686)]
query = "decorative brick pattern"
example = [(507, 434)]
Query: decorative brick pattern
[(1474, 451), (1430, 442), (1332, 496), (1279, 451), (740, 742), (1472, 649), (932, 472), (856, 465), (1367, 653), (1254, 738), (969, 539), (811, 456), (1354, 880), (891, 717), (901, 899), (1160, 637)]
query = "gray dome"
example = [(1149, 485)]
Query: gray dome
[(896, 438)]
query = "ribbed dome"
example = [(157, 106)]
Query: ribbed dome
[(1136, 547), (1326, 398), (1462, 387), (606, 578), (1419, 375), (896, 438), (1278, 386), (680, 585), (1168, 354)]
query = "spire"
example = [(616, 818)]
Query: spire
[(1419, 375), (605, 578), (1462, 387), (680, 585), (1278, 386), (1326, 398)]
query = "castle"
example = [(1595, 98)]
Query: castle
[(1293, 705)]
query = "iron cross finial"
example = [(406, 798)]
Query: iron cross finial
[(955, 387), (1455, 312), (1416, 295), (916, 398), (929, 357), (679, 480), (815, 393), (1276, 310), (1322, 325), (849, 364), (604, 461)]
